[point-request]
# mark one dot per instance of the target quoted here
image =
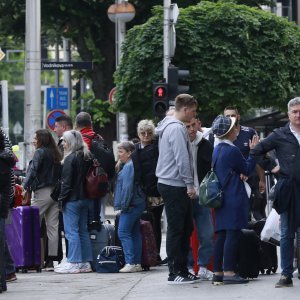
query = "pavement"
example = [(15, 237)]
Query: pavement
[(144, 285)]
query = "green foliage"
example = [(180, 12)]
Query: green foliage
[(236, 55)]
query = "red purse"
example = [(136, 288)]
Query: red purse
[(96, 181)]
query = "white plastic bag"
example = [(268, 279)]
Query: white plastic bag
[(271, 230)]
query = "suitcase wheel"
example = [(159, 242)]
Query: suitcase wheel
[(24, 270), (268, 271), (262, 271), (274, 269), (39, 269)]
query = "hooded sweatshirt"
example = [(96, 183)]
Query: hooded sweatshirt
[(174, 166)]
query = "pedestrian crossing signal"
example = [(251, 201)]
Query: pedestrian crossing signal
[(160, 99)]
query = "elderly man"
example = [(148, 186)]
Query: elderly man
[(285, 141)]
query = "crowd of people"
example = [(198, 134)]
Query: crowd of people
[(163, 169)]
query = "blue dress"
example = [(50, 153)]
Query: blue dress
[(233, 215)]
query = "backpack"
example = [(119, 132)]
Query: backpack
[(110, 260), (103, 154), (145, 162), (96, 181)]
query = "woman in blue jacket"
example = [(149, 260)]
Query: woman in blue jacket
[(130, 200), (230, 166)]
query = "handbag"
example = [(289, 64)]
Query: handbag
[(96, 181), (271, 230), (211, 190), (56, 191)]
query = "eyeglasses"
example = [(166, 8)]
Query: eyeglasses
[(143, 133)]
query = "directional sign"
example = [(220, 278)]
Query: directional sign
[(2, 54), (57, 98), (52, 116), (67, 65)]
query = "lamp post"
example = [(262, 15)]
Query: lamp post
[(120, 13)]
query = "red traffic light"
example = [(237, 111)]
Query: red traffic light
[(160, 92)]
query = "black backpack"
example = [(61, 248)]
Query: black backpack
[(103, 154), (145, 162)]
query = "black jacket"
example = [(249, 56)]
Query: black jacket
[(287, 151), (204, 157), (7, 161), (73, 176), (42, 170)]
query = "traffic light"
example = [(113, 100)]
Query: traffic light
[(160, 98), (175, 78)]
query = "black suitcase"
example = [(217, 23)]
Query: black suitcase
[(268, 260), (248, 254)]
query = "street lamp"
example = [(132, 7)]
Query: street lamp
[(120, 13)]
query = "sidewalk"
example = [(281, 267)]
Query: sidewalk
[(143, 285)]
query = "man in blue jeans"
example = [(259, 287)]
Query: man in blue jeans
[(176, 186), (201, 150), (286, 141)]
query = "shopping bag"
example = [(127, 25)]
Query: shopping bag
[(271, 230)]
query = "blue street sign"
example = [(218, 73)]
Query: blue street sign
[(57, 98)]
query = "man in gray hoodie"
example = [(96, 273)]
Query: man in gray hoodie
[(176, 186)]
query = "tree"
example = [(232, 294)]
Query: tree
[(235, 54)]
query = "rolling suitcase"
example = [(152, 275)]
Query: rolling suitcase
[(23, 236), (101, 235), (149, 249), (248, 254)]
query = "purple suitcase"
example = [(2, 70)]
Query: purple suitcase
[(23, 235)]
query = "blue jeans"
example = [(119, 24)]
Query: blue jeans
[(75, 216), (9, 263), (205, 231), (2, 250), (226, 250), (130, 234), (286, 246)]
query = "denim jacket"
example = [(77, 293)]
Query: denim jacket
[(127, 193)]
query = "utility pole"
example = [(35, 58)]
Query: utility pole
[(4, 96), (32, 109), (67, 73)]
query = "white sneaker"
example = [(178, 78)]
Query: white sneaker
[(61, 265), (205, 274), (68, 268), (138, 268), (85, 267), (128, 269)]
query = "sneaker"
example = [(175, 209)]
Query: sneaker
[(138, 268), (61, 265), (164, 262), (190, 276), (179, 279), (284, 281), (128, 269), (85, 267), (49, 267), (68, 268), (235, 279), (11, 277), (217, 280), (205, 274)]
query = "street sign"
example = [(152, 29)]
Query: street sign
[(112, 95), (66, 65), (57, 98), (2, 54), (52, 116)]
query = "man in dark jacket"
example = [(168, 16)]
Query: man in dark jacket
[(201, 150), (286, 142)]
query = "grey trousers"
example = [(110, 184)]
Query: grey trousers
[(48, 210)]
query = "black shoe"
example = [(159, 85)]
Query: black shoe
[(164, 262), (235, 279), (284, 281), (217, 280), (190, 276), (179, 279)]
